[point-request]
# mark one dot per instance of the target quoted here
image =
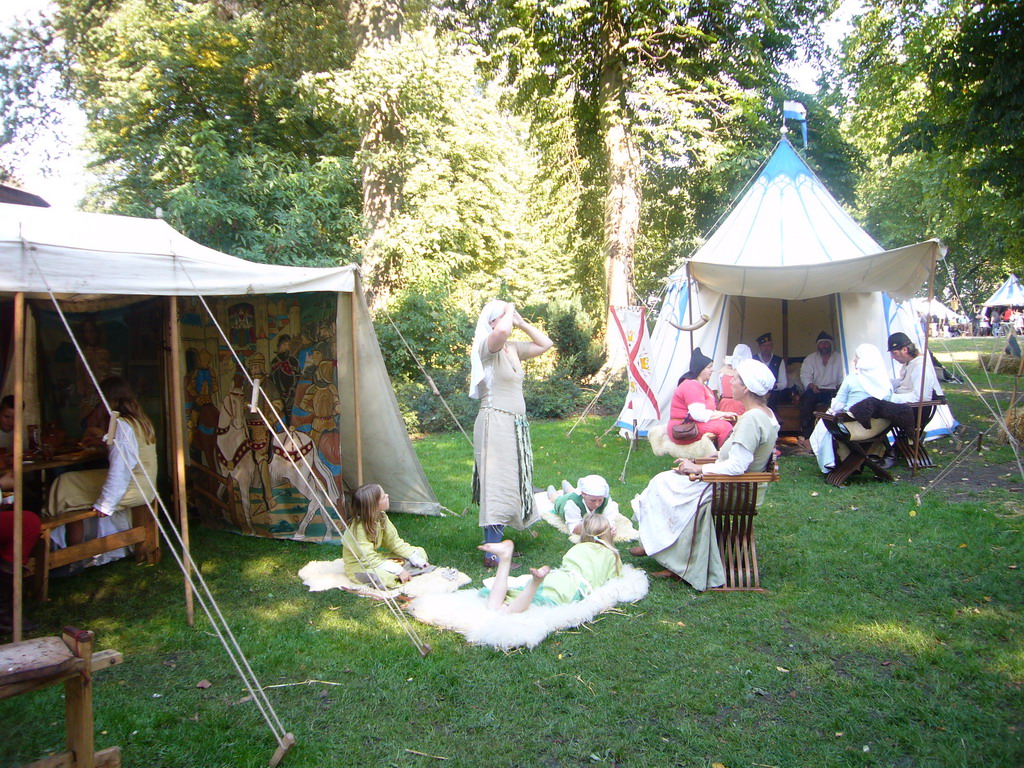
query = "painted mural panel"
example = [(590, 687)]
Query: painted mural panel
[(241, 477)]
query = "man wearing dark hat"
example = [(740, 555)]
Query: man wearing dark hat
[(821, 374), (765, 353), (907, 388)]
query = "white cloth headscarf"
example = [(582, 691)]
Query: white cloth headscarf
[(740, 353), (593, 485), (480, 374), (756, 376), (871, 369)]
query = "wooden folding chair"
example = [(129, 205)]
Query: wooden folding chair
[(31, 665), (856, 448), (734, 503), (907, 441)]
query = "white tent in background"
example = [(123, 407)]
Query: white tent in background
[(1009, 294), (934, 309), (786, 259)]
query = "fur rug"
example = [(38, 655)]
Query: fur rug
[(467, 613), (657, 436), (624, 530), (321, 575)]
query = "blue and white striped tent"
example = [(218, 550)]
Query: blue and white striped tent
[(1009, 294), (790, 260)]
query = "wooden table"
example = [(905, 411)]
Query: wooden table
[(67, 458)]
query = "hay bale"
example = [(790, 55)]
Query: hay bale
[(1014, 424), (999, 363)]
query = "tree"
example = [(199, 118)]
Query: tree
[(937, 107), (638, 73)]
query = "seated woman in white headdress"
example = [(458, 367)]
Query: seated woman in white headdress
[(726, 401), (868, 379), (675, 528)]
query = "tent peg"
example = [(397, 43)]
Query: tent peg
[(286, 744)]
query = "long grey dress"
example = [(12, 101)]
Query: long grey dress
[(503, 482)]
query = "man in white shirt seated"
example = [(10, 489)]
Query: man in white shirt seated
[(821, 374), (907, 388)]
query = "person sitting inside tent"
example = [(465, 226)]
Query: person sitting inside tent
[(726, 401), (130, 480), (766, 354), (908, 386), (671, 531), (868, 379), (585, 567), (820, 375), (372, 546), (591, 494), (693, 406)]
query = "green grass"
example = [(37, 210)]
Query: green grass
[(891, 636)]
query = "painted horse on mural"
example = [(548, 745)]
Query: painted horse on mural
[(248, 452)]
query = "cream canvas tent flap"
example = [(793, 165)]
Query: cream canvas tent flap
[(787, 259), (347, 411)]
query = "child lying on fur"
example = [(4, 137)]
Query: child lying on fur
[(585, 567)]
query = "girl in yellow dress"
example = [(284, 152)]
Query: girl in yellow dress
[(372, 544)]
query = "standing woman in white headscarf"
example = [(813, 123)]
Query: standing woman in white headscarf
[(868, 379), (727, 402), (675, 529), (503, 472)]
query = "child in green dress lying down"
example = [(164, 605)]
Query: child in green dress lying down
[(372, 541), (590, 495), (585, 567)]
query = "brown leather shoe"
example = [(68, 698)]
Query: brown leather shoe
[(637, 551), (666, 574)]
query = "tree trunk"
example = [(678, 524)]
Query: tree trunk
[(375, 23), (622, 198)]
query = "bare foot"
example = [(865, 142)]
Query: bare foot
[(501, 549), (540, 573)]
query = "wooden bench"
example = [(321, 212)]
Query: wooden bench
[(734, 503), (32, 665), (143, 534)]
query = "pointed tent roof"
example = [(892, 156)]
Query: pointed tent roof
[(787, 237), (1009, 294)]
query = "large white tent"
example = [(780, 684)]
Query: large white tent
[(787, 259), (1009, 294), (84, 259)]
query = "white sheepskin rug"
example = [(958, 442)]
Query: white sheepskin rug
[(657, 436), (466, 612), (321, 575), (624, 530)]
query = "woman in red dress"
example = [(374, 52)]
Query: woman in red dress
[(695, 400)]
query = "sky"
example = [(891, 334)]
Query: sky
[(66, 182)]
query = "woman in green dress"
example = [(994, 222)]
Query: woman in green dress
[(671, 531)]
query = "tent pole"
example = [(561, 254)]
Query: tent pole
[(355, 393), (785, 331), (689, 303), (924, 367), (178, 447), (19, 451)]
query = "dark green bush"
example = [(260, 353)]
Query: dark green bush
[(437, 331), (577, 340)]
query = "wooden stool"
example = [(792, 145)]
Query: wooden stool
[(143, 534), (32, 665)]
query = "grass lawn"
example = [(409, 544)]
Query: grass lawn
[(891, 635)]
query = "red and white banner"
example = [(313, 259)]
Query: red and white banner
[(632, 325)]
